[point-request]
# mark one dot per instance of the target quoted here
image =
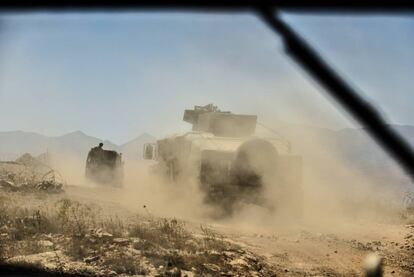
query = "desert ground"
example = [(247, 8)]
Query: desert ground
[(90, 230)]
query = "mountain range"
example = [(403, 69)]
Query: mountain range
[(349, 154), (351, 146), (15, 143)]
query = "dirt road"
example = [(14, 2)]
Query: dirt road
[(308, 252), (307, 248), (297, 249)]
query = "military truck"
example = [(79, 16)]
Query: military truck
[(231, 164), (104, 167)]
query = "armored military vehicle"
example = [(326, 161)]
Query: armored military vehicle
[(104, 166), (231, 164)]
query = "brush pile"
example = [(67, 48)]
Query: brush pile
[(47, 183)]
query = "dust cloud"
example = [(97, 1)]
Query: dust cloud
[(159, 196), (335, 195), (69, 167), (333, 192), (141, 191)]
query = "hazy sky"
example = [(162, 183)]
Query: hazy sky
[(115, 76)]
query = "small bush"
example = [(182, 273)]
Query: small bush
[(124, 263), (212, 240), (3, 254), (167, 233), (29, 247), (76, 248), (115, 226), (75, 218), (23, 223)]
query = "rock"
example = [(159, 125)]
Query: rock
[(211, 267), (174, 272), (229, 253), (91, 240), (46, 259), (239, 262), (123, 241), (46, 243), (4, 228), (47, 236), (89, 260), (107, 272), (49, 186), (99, 233), (8, 185), (186, 273), (134, 251), (250, 257)]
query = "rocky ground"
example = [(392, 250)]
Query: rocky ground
[(314, 253), (67, 236), (78, 231)]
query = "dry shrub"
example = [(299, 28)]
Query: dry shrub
[(32, 222), (76, 248), (165, 233), (75, 218), (31, 246), (3, 248), (20, 222), (114, 225), (163, 242), (5, 207), (213, 240), (124, 263)]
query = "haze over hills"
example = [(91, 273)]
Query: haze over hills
[(15, 143), (351, 144), (350, 149), (133, 148), (353, 148)]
